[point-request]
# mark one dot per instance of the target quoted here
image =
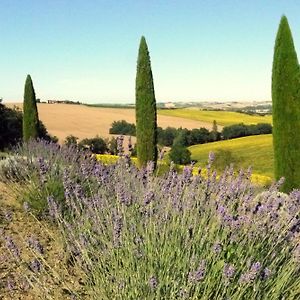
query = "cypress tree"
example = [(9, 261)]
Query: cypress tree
[(286, 108), (145, 107), (30, 113)]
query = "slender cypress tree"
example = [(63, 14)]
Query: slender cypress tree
[(145, 106), (286, 108), (30, 113)]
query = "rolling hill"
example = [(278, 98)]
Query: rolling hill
[(223, 118), (255, 151)]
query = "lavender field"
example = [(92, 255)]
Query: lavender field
[(118, 232)]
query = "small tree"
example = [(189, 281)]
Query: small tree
[(214, 132), (286, 108), (30, 112), (71, 140), (179, 154), (96, 145), (146, 124)]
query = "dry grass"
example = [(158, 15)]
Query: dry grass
[(82, 121), (20, 228)]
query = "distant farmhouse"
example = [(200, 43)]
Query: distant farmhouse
[(169, 105)]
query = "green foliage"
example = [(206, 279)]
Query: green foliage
[(146, 123), (179, 154), (71, 140), (122, 127), (30, 119), (286, 108), (214, 132), (11, 128), (96, 145), (240, 130), (166, 136), (36, 196)]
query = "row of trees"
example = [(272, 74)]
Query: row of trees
[(165, 137)]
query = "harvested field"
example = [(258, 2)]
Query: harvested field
[(82, 121)]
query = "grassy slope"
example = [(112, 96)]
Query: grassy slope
[(222, 117), (256, 151)]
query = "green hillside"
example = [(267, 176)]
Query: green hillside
[(223, 118), (256, 151)]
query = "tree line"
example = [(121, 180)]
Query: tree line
[(165, 137)]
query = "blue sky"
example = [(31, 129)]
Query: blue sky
[(87, 50)]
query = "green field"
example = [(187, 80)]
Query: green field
[(256, 151), (223, 118)]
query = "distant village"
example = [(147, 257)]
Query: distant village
[(61, 102)]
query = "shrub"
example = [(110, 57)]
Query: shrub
[(179, 154), (95, 145), (122, 127), (71, 140)]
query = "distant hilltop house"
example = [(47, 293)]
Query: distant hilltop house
[(170, 105), (62, 102)]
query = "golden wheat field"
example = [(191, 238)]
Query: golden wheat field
[(83, 121)]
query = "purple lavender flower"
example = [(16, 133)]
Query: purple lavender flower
[(252, 274), (228, 271), (255, 267), (35, 245), (43, 168), (150, 168), (118, 224), (217, 247), (12, 247), (148, 197), (153, 282), (199, 274), (123, 196), (187, 173), (52, 207), (266, 273), (78, 191), (35, 265), (120, 148), (85, 170), (10, 284), (130, 148)]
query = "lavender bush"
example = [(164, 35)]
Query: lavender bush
[(136, 235)]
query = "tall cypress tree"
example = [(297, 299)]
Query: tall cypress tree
[(145, 106), (30, 113), (286, 108)]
